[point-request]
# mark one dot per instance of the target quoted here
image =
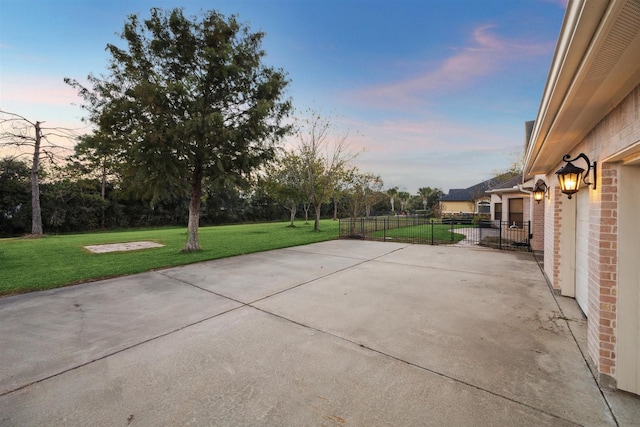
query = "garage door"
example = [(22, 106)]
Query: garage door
[(582, 250), (628, 333)]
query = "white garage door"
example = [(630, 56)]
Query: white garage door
[(582, 250), (628, 333)]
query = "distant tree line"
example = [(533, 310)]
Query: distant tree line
[(74, 198), (73, 202)]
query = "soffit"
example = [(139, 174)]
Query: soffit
[(597, 64)]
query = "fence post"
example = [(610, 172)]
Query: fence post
[(384, 229), (500, 235), (451, 231), (431, 232)]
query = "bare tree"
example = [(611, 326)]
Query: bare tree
[(29, 136), (373, 192), (326, 157)]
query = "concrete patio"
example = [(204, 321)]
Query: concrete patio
[(336, 333)]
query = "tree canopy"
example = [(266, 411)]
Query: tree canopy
[(285, 181), (187, 103)]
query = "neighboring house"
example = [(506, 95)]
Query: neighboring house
[(467, 201), (512, 205), (509, 203), (591, 106)]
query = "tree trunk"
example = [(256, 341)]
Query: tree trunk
[(393, 209), (306, 207), (103, 185), (335, 209), (36, 212), (316, 222), (292, 212), (193, 243)]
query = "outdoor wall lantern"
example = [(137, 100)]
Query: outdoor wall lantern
[(570, 175), (539, 191)]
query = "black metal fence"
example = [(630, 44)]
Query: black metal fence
[(415, 229)]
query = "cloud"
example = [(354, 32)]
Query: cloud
[(34, 89), (431, 134), (485, 55), (436, 153)]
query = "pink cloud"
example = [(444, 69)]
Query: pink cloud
[(37, 90), (405, 147), (483, 56)]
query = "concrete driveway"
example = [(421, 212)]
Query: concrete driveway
[(341, 333)]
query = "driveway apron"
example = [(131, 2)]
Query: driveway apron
[(334, 333)]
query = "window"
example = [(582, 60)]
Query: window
[(497, 211), (515, 211), (484, 207)]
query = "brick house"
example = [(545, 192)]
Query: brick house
[(591, 106)]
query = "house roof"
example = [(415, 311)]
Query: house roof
[(595, 65), (512, 184), (480, 189)]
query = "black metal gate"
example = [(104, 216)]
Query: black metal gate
[(415, 229)]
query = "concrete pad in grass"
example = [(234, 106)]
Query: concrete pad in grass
[(122, 247)]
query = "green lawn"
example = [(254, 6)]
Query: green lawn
[(405, 229), (35, 264), (441, 233)]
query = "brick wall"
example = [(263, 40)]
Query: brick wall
[(537, 223), (557, 230), (551, 241), (602, 331)]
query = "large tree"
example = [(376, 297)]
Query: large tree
[(187, 102)]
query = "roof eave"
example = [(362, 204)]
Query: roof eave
[(573, 101)]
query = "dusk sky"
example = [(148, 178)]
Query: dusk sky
[(435, 91)]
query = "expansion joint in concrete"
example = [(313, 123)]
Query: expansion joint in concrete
[(423, 368)]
